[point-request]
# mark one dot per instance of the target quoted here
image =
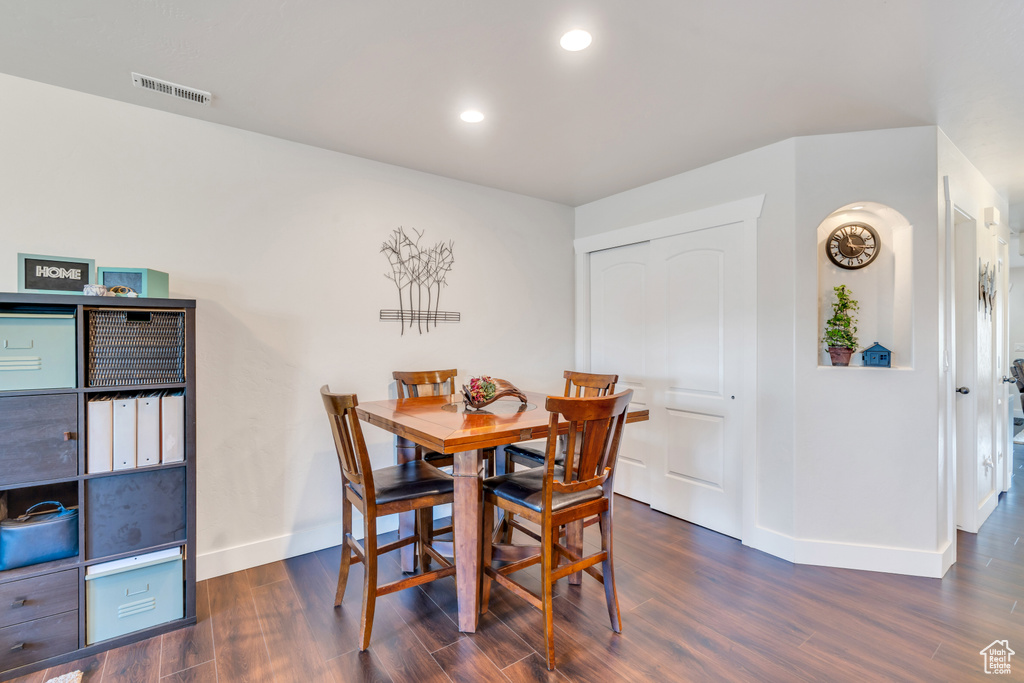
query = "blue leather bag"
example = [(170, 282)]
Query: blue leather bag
[(40, 537)]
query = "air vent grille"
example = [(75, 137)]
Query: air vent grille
[(173, 89)]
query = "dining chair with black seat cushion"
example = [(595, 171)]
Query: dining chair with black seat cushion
[(576, 384), (555, 495), (412, 486), (433, 383)]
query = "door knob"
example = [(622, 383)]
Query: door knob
[(963, 390), (1009, 380)]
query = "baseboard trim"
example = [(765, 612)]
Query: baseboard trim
[(772, 542), (932, 564), (889, 560), (908, 561), (228, 560)]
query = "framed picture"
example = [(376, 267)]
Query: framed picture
[(53, 274)]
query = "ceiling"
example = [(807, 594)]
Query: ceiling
[(666, 86)]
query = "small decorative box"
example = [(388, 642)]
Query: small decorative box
[(142, 281)]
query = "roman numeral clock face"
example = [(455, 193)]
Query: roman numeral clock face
[(853, 245)]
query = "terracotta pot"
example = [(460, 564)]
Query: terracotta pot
[(840, 355)]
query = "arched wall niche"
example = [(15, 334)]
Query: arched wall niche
[(883, 288)]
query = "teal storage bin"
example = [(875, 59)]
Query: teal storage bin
[(129, 595), (145, 282), (37, 350)]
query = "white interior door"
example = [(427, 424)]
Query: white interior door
[(696, 285), (618, 336), (976, 490), (665, 315)]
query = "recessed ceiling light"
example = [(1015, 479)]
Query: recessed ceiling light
[(575, 40), (471, 116)]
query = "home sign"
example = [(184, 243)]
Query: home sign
[(53, 274)]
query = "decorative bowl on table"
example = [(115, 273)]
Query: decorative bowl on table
[(482, 391)]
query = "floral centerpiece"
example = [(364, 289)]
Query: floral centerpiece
[(481, 389), (484, 390)]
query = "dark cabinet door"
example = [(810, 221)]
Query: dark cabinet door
[(134, 511), (40, 438), (38, 597), (36, 640)]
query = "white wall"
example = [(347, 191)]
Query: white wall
[(847, 470), (865, 463), (278, 242)]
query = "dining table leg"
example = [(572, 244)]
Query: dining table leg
[(467, 516), (405, 451)]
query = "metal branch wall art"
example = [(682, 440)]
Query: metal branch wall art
[(417, 271), (986, 286)]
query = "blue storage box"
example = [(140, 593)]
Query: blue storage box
[(142, 281), (129, 595), (37, 350)]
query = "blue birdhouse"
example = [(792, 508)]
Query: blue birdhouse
[(877, 356)]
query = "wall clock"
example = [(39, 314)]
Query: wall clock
[(852, 245)]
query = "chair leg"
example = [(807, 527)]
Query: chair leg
[(424, 534), (546, 566), (574, 542), (346, 552), (608, 572), (487, 553), (369, 581)]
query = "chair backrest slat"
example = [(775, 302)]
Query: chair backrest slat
[(348, 437), (425, 383), (585, 384), (595, 429)]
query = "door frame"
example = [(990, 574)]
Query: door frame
[(964, 512), (1005, 470), (743, 211)]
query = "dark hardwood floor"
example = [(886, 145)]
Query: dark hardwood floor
[(697, 606)]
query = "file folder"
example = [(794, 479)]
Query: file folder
[(99, 436), (125, 432), (172, 428), (148, 438)]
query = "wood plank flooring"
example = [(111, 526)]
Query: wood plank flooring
[(697, 606)]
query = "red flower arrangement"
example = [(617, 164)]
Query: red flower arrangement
[(484, 390), (481, 389)]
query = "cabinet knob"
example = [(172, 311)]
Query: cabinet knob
[(20, 602), (963, 390), (19, 646), (69, 436)]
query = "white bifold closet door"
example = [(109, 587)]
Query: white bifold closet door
[(665, 316)]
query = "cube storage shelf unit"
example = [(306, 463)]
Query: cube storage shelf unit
[(44, 612)]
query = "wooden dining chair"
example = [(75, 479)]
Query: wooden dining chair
[(555, 495), (1017, 370), (375, 493), (576, 384), (432, 383)]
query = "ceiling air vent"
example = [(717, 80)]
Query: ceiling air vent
[(172, 89)]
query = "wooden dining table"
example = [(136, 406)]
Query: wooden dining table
[(443, 424)]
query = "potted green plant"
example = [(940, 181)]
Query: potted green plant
[(841, 328)]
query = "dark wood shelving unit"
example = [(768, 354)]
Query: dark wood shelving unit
[(159, 501)]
